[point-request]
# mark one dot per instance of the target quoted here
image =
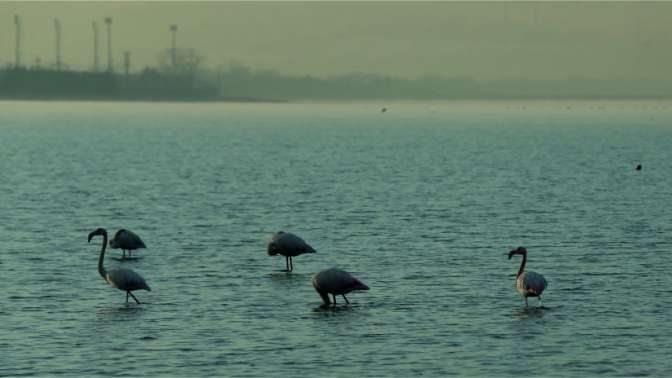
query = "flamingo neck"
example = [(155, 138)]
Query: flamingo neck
[(325, 297), (101, 268), (522, 265)]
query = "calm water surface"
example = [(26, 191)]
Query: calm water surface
[(422, 203)]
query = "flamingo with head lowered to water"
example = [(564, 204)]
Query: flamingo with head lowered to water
[(335, 281), (126, 241), (288, 245)]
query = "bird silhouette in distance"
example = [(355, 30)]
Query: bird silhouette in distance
[(288, 245), (335, 281), (126, 241), (528, 284), (122, 279)]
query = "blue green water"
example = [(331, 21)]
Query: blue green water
[(421, 203)]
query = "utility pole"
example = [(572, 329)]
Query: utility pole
[(17, 56), (96, 60), (173, 52), (127, 62), (108, 22), (59, 58)]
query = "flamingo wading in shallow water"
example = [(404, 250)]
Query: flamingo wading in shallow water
[(126, 241), (288, 245), (123, 279), (528, 284), (335, 281)]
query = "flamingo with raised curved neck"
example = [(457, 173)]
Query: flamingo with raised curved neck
[(528, 284), (122, 279)]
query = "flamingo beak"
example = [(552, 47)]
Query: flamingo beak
[(359, 285), (511, 253), (98, 231), (310, 249)]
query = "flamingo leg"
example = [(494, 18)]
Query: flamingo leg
[(334, 296), (346, 299), (291, 264), (540, 301), (131, 294), (287, 262), (124, 254)]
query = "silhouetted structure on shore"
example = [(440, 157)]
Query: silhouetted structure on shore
[(44, 84), (191, 83)]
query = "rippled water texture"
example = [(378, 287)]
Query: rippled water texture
[(422, 203)]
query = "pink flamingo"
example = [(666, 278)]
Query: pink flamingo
[(335, 281), (288, 245), (127, 241), (528, 284), (122, 279)]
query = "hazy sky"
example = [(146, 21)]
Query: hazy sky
[(480, 39)]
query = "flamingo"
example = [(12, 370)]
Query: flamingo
[(335, 281), (288, 245), (126, 240), (528, 284), (123, 279)]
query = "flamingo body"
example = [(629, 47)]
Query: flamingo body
[(530, 284), (126, 279), (335, 281), (288, 245), (127, 241)]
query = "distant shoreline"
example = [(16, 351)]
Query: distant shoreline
[(152, 85), (336, 101), (137, 99)]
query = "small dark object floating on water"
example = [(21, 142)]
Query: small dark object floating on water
[(383, 110), (639, 167)]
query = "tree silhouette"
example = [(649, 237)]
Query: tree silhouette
[(187, 61)]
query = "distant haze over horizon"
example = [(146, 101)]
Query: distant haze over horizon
[(483, 40)]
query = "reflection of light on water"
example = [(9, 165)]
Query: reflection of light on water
[(221, 304), (284, 275), (124, 311), (125, 259), (329, 309), (531, 312)]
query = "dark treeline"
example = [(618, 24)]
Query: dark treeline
[(243, 82), (190, 82), (150, 84), (240, 81)]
